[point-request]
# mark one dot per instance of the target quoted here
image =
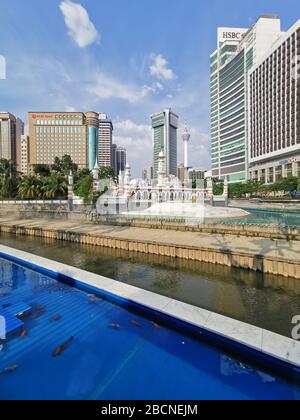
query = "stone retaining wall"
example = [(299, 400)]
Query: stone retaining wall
[(269, 265), (288, 233)]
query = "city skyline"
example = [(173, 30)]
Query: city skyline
[(128, 76)]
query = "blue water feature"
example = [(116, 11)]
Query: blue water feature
[(110, 352), (264, 217)]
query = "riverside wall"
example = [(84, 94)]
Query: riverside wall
[(273, 263)]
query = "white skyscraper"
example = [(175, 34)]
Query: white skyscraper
[(237, 52), (105, 141)]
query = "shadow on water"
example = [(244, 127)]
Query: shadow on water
[(263, 300)]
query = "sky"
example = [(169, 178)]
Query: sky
[(128, 58)]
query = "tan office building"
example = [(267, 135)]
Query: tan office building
[(55, 134), (7, 136), (24, 155)]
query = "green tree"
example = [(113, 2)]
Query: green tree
[(237, 190), (54, 186), (265, 189), (64, 165), (9, 178), (41, 170), (107, 172), (81, 174), (218, 186), (84, 188), (30, 188), (286, 184)]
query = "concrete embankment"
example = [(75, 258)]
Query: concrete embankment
[(274, 256)]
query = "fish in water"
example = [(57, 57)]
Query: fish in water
[(158, 327), (9, 369), (5, 305), (56, 318), (24, 334), (40, 308), (37, 315), (93, 300), (136, 323), (115, 326), (62, 347), (1, 347)]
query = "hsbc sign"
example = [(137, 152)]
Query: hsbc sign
[(230, 34)]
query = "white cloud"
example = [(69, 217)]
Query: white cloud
[(107, 87), (160, 69), (137, 138), (154, 88), (78, 22)]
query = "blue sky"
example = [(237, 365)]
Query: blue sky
[(128, 58)]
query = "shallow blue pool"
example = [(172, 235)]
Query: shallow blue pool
[(137, 359), (265, 217)]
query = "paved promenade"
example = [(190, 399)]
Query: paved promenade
[(272, 256)]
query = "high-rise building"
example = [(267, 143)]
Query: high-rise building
[(114, 158), (274, 111), (164, 125), (19, 134), (55, 134), (196, 174), (105, 134), (182, 172), (121, 159), (147, 173), (237, 52), (7, 136), (92, 122), (24, 155)]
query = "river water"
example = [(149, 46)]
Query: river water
[(263, 300)]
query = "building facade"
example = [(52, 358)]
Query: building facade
[(55, 134), (19, 134), (92, 122), (238, 51), (182, 172), (24, 155), (196, 174), (114, 158), (165, 125), (147, 173), (105, 137), (120, 160), (8, 136), (274, 111)]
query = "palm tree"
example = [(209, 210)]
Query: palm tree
[(29, 188), (9, 177), (54, 186)]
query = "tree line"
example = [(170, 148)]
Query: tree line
[(286, 186), (49, 182)]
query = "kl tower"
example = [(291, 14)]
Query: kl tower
[(186, 138)]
